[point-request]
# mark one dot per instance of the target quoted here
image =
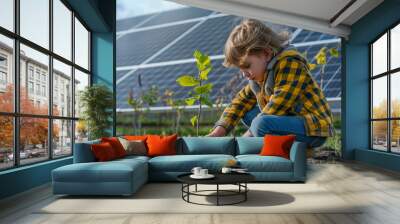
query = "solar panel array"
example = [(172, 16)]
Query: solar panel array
[(135, 48), (162, 62), (177, 15), (132, 22)]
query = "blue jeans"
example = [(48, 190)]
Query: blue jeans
[(279, 125)]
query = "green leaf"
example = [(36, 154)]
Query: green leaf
[(321, 56), (203, 89), (334, 52), (190, 101), (202, 61), (193, 120), (205, 100), (204, 74), (187, 80)]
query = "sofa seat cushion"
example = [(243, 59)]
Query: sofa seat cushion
[(111, 171), (133, 158), (257, 163), (185, 163)]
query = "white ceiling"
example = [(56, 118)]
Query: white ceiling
[(322, 9), (316, 15)]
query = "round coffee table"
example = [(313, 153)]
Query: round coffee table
[(238, 179)]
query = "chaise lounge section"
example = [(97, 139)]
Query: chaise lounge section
[(125, 176)]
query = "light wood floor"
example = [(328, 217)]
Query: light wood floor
[(378, 188)]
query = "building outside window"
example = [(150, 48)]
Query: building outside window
[(43, 77), (30, 72), (3, 72), (38, 89), (3, 61), (37, 74), (43, 90), (30, 87), (3, 78)]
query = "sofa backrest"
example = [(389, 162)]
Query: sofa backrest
[(83, 152), (206, 145), (249, 145)]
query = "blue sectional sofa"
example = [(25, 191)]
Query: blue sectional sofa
[(125, 176)]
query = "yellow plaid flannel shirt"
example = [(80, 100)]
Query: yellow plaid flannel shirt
[(294, 92)]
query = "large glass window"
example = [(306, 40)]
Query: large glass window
[(395, 47), (7, 14), (385, 96), (81, 81), (6, 75), (62, 29), (33, 140), (35, 21), (62, 137), (6, 142), (43, 81), (62, 91), (379, 56), (81, 45), (40, 62)]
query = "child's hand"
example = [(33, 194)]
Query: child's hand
[(217, 132)]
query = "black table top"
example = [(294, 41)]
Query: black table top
[(220, 178)]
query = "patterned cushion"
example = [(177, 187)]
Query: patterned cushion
[(134, 147)]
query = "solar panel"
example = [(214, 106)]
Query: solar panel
[(209, 37), (301, 36), (121, 74), (125, 24), (134, 48), (177, 15)]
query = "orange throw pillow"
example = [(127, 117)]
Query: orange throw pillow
[(103, 152), (116, 145), (277, 145), (135, 137), (161, 145)]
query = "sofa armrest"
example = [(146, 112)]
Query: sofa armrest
[(83, 152), (299, 158)]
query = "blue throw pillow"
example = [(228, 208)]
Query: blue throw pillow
[(249, 145), (206, 145)]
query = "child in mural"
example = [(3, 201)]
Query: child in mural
[(281, 96)]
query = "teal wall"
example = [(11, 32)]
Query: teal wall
[(24, 178), (99, 16), (103, 64), (102, 59), (355, 86)]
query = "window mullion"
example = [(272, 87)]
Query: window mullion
[(73, 83), (371, 92), (16, 84), (389, 104), (50, 81)]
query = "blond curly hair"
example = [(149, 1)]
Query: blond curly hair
[(251, 37)]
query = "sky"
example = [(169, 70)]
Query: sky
[(131, 8)]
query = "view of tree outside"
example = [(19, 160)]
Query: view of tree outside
[(33, 131)]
